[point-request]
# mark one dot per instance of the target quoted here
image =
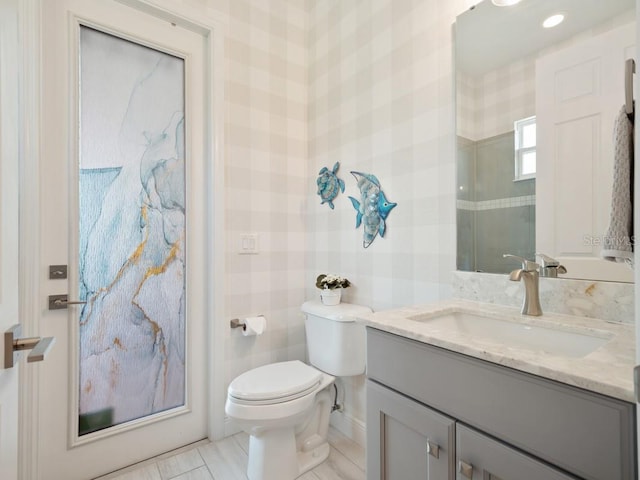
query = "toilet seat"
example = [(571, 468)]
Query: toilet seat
[(274, 383)]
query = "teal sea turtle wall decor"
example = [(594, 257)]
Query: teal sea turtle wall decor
[(329, 185), (373, 207)]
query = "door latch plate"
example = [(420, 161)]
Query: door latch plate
[(57, 272)]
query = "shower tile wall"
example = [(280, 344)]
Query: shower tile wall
[(501, 230), (496, 215), (490, 220), (466, 217)]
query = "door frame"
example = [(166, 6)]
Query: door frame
[(32, 301), (636, 229)]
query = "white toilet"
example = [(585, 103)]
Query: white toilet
[(285, 406)]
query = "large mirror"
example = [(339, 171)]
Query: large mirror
[(535, 112)]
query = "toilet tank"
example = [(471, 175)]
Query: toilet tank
[(335, 342)]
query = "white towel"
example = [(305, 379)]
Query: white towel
[(617, 242)]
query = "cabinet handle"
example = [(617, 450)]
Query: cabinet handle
[(433, 449), (465, 469)]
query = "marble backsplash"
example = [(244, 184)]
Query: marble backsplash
[(608, 301)]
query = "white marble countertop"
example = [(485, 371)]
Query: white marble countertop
[(607, 370)]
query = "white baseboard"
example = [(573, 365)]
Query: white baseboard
[(230, 427), (351, 427)]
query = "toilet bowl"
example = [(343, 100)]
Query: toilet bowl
[(285, 406)]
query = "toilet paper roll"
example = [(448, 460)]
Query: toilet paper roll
[(254, 326)]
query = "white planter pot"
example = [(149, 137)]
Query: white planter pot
[(331, 297)]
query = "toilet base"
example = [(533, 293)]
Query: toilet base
[(273, 456), (313, 458)]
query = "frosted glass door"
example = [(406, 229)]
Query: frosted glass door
[(131, 235)]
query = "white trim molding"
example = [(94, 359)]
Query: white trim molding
[(350, 427), (29, 26)]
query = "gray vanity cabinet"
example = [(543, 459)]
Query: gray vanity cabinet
[(405, 439), (506, 424)]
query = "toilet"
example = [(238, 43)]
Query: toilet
[(285, 406)]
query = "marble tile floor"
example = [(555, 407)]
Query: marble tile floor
[(227, 460)]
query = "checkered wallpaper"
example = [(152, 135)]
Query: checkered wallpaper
[(266, 104), (487, 105), (380, 101), (380, 98), (266, 174), (308, 83)]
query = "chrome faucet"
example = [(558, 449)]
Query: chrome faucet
[(529, 275), (550, 267)]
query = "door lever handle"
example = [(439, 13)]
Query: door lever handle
[(58, 302), (13, 345)]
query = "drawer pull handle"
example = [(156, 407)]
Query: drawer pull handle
[(465, 469), (433, 449)]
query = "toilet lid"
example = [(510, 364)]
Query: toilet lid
[(275, 381)]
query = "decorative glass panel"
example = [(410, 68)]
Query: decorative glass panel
[(132, 231)]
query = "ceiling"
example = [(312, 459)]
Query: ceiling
[(488, 37)]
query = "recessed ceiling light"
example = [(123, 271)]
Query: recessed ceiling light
[(553, 20), (504, 3)]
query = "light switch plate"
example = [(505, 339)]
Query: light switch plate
[(248, 244)]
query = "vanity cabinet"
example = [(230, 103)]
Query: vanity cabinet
[(505, 424), (405, 439)]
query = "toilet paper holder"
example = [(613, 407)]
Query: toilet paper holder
[(237, 323)]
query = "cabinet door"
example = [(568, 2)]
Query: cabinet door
[(479, 457), (405, 439)]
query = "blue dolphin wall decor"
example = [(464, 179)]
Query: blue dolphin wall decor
[(373, 207)]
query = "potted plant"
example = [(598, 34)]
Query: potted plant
[(331, 288)]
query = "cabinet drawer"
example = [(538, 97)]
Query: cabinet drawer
[(587, 434)]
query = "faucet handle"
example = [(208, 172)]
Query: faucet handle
[(547, 261), (550, 267), (527, 265)]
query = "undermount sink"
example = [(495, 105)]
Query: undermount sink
[(529, 336)]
